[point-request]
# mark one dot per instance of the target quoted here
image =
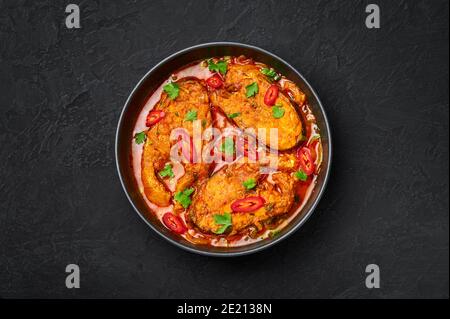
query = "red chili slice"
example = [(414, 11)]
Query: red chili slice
[(271, 95), (306, 161), (248, 204), (174, 223), (215, 81), (154, 117)]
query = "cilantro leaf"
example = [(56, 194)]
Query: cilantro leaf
[(251, 90), (233, 115), (140, 137), (191, 115), (172, 90), (300, 175), (277, 111), (249, 183), (275, 233), (224, 221), (227, 146), (221, 66), (184, 197), (270, 73), (167, 171)]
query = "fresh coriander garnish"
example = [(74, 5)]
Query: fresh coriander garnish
[(167, 171), (233, 115), (227, 146), (172, 89), (300, 175), (277, 111), (220, 66), (249, 183), (270, 73), (140, 137), (251, 90), (224, 221), (184, 197), (275, 233), (191, 115)]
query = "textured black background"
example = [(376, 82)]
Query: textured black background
[(386, 95)]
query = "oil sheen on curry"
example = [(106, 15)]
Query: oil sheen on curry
[(226, 151)]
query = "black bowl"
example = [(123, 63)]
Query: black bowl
[(153, 79)]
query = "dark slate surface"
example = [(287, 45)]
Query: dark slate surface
[(386, 94)]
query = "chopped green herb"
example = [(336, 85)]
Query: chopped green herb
[(220, 66), (270, 73), (249, 183), (140, 137), (191, 115), (233, 115), (203, 123), (277, 111), (184, 197), (227, 146), (275, 233), (300, 175), (224, 221), (172, 90), (251, 90), (167, 171)]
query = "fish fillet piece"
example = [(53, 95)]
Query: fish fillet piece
[(216, 194), (192, 96), (254, 113)]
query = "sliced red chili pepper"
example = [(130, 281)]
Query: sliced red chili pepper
[(174, 223), (215, 81), (306, 161), (271, 95), (248, 204), (153, 117)]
